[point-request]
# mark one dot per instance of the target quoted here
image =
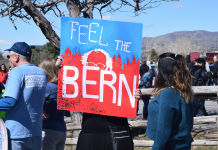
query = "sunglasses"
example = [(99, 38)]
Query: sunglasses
[(8, 56)]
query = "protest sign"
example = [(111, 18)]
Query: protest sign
[(100, 66)]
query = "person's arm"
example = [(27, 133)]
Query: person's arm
[(14, 84), (204, 75), (207, 67), (215, 71), (142, 82), (7, 103), (166, 116), (153, 81), (45, 115)]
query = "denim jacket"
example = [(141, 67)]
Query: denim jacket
[(146, 81)]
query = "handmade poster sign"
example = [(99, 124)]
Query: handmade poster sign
[(3, 136), (100, 66)]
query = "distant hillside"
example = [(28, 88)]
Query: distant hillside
[(201, 38)]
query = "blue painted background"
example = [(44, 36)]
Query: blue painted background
[(112, 30)]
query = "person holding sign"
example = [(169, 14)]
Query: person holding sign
[(54, 127), (97, 129), (170, 112), (23, 99)]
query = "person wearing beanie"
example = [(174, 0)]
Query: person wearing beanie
[(200, 78)]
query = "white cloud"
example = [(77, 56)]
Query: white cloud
[(3, 42), (148, 26), (178, 5)]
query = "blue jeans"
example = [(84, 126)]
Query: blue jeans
[(30, 143), (53, 140), (199, 108), (145, 107)]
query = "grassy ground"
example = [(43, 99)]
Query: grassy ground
[(139, 134)]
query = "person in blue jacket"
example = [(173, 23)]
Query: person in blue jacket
[(54, 129), (170, 112), (146, 82)]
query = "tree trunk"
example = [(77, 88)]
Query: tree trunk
[(88, 13), (74, 8), (42, 22)]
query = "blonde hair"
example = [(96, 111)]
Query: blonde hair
[(48, 65)]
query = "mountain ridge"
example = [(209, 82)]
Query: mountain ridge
[(202, 38)]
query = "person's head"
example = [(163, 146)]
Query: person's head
[(144, 62), (151, 69), (3, 68), (19, 53), (215, 58), (9, 69), (48, 65), (173, 72), (201, 62), (188, 57)]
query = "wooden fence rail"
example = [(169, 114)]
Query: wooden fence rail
[(200, 92), (149, 143), (143, 123)]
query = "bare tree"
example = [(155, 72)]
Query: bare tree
[(181, 46), (37, 9)]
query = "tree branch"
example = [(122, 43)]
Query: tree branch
[(42, 22), (50, 3)]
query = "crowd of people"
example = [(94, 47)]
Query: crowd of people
[(202, 75), (33, 121)]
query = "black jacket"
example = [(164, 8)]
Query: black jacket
[(189, 63), (143, 69), (215, 72), (199, 75)]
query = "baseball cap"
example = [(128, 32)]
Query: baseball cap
[(21, 48)]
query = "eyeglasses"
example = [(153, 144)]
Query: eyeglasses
[(8, 56)]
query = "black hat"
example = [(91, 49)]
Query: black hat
[(200, 60), (21, 48)]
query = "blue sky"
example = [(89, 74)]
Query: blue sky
[(184, 15)]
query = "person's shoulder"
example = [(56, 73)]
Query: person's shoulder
[(51, 85), (170, 92), (171, 97), (216, 64), (15, 69), (34, 68)]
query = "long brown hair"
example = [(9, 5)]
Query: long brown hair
[(182, 79), (48, 65), (173, 72), (3, 70)]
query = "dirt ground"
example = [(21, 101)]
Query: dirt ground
[(139, 134)]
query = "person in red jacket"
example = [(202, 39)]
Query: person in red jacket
[(3, 74)]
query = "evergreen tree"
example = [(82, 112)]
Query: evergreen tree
[(49, 51), (153, 55), (35, 58)]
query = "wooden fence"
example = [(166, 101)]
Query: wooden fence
[(149, 143), (143, 123), (200, 92)]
